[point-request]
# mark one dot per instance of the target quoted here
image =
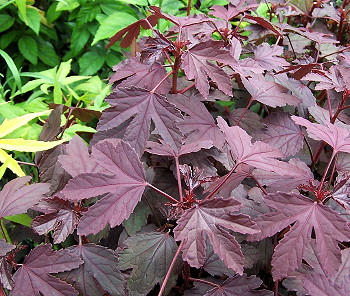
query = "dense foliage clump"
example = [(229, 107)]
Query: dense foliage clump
[(219, 167)]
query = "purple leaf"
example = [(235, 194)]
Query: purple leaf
[(6, 274), (133, 72), (333, 135), (5, 247), (259, 154), (211, 219), (34, 275), (149, 255), (199, 125), (250, 122), (123, 186), (328, 225), (317, 284), (196, 65), (268, 92), (267, 56), (17, 198), (98, 271), (61, 219), (77, 159), (144, 106), (282, 133)]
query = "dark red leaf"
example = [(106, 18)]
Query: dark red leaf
[(17, 198), (307, 215), (196, 65), (123, 185), (5, 247), (144, 106), (211, 219), (98, 274), (34, 275)]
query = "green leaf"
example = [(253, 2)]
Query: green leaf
[(52, 13), (8, 38), (110, 6), (67, 5), (22, 9), (4, 166), (112, 24), (10, 63), (28, 145), (28, 48), (136, 2), (72, 131), (47, 53), (90, 63), (80, 36), (22, 219), (33, 19), (87, 13), (6, 21), (12, 164), (137, 219)]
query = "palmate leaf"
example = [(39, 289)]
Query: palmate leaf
[(199, 124), (238, 286), (196, 65), (149, 255), (268, 92), (123, 185), (259, 154), (34, 274), (211, 219), (17, 198), (281, 132), (98, 274), (335, 136), (319, 285), (329, 227), (144, 106)]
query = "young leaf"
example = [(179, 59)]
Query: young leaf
[(211, 219), (17, 198), (34, 275), (329, 227), (333, 135), (149, 255), (123, 183), (145, 106), (259, 154), (61, 219), (98, 271), (196, 66)]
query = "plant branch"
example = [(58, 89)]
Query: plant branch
[(259, 185), (160, 82), (244, 111), (188, 9), (178, 174), (162, 288), (4, 233), (163, 193), (222, 182), (326, 171)]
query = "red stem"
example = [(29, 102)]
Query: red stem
[(326, 171), (204, 282), (244, 111), (182, 91), (162, 288), (159, 84), (176, 69), (178, 174), (222, 182), (163, 193)]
